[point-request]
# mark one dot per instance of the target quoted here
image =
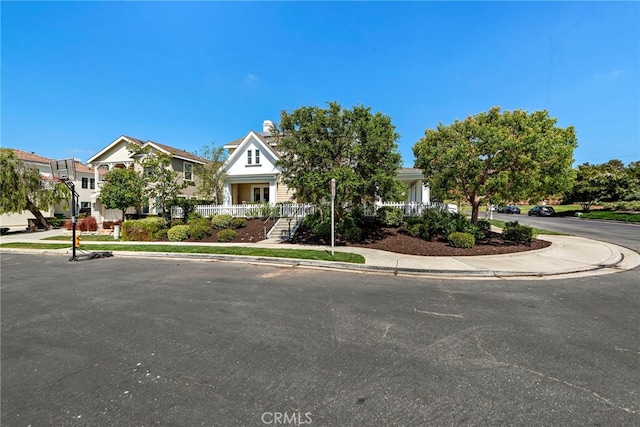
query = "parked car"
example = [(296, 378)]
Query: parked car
[(511, 209), (541, 211)]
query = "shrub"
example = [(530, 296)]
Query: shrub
[(199, 228), (68, 225), (226, 235), (221, 221), (145, 229), (311, 220), (415, 230), (55, 222), (178, 233), (194, 216), (484, 228), (390, 216), (623, 206), (353, 234), (238, 222), (515, 232), (461, 240), (322, 229), (176, 222), (89, 224)]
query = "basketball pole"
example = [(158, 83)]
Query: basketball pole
[(72, 187)]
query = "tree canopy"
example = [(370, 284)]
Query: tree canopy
[(162, 183), (23, 188), (606, 182), (122, 189), (210, 177), (510, 155), (356, 147)]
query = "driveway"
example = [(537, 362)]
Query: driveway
[(169, 342)]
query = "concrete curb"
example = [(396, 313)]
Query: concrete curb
[(615, 260)]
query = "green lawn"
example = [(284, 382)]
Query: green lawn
[(215, 250), (536, 231), (87, 237), (612, 215)]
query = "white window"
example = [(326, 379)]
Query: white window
[(257, 157), (248, 157), (188, 171), (260, 194)]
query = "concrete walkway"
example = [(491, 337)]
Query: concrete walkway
[(567, 256)]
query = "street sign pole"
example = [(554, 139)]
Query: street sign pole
[(333, 223)]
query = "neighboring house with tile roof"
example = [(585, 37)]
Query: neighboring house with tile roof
[(84, 184), (116, 155), (252, 173)]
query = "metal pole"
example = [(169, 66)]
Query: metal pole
[(333, 222), (73, 220)]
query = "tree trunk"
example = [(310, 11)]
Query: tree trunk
[(475, 209), (43, 223)]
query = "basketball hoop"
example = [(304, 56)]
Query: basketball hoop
[(65, 171)]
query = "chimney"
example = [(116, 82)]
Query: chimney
[(266, 126)]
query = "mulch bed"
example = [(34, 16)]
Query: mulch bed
[(387, 239), (253, 232), (397, 240)]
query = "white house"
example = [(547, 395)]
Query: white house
[(116, 155), (84, 184), (253, 176)]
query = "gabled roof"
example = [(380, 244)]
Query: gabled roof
[(266, 137), (114, 143), (30, 157), (174, 152), (239, 147), (177, 153)]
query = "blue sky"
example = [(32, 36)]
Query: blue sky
[(76, 75)]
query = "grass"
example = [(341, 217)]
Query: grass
[(86, 237), (307, 254), (612, 215), (536, 231)]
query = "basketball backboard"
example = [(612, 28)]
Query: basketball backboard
[(64, 170)]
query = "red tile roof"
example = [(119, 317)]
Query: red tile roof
[(30, 157)]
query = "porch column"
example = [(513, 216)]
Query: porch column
[(426, 194), (226, 194), (273, 195), (96, 175)]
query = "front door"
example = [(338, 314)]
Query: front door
[(260, 194)]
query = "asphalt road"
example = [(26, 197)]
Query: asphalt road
[(619, 233), (122, 342)]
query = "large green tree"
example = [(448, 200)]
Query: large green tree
[(356, 147), (607, 182), (122, 188), (510, 155), (210, 176), (162, 183), (22, 188)]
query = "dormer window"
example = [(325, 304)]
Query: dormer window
[(248, 157)]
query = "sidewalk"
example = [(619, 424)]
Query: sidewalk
[(567, 256)]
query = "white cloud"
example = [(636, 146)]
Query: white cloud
[(251, 82), (614, 74)]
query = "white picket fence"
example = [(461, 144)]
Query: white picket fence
[(288, 210), (412, 208), (284, 210)]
